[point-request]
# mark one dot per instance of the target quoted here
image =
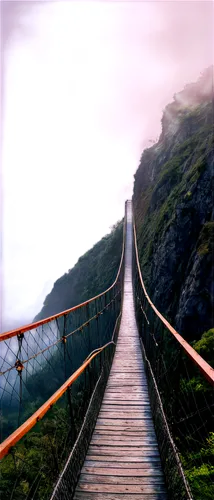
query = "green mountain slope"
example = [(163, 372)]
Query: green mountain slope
[(94, 272)]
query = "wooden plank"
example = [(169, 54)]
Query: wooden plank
[(131, 439), (121, 386), (119, 411), (122, 458), (145, 471), (122, 451), (144, 399), (127, 404), (130, 373), (127, 368), (124, 391), (112, 462), (132, 360), (127, 395), (127, 415), (127, 418), (126, 385), (128, 365), (141, 424), (123, 436), (125, 375), (122, 407), (123, 397), (122, 404), (86, 495), (114, 441), (118, 479), (120, 430), (126, 423), (122, 371), (125, 431), (120, 488)]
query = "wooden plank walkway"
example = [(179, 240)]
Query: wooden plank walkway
[(123, 456)]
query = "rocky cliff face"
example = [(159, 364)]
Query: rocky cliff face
[(173, 203)]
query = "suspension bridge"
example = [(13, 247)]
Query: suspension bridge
[(121, 412)]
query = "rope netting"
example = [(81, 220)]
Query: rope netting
[(32, 466), (184, 381), (36, 362), (47, 355)]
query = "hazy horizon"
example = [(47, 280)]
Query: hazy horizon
[(84, 87)]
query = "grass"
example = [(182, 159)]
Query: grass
[(206, 239)]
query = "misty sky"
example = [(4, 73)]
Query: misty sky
[(84, 86)]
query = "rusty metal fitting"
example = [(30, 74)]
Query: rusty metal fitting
[(20, 336), (19, 366)]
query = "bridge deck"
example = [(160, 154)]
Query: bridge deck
[(123, 456)]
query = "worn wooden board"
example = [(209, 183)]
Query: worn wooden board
[(120, 488), (119, 470), (126, 430), (117, 479), (120, 463), (86, 495), (140, 423), (122, 451), (124, 434)]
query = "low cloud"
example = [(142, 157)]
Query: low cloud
[(85, 84)]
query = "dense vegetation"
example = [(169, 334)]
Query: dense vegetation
[(31, 468), (173, 204)]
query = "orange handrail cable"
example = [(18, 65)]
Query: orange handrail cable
[(31, 326), (39, 414), (203, 366)]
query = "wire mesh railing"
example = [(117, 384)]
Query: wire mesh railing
[(32, 466), (185, 383), (36, 362)]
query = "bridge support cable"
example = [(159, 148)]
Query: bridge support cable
[(184, 381), (47, 380)]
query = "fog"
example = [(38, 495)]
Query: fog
[(84, 87)]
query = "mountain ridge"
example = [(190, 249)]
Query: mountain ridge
[(173, 204)]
